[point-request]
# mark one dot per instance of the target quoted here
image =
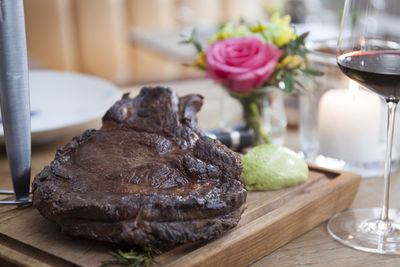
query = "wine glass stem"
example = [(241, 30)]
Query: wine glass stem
[(392, 105)]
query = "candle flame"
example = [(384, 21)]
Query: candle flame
[(353, 89), (362, 41)]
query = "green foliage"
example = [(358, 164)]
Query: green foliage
[(312, 72), (294, 79), (288, 80), (193, 39), (297, 46), (136, 257)]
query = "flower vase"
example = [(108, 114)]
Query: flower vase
[(264, 113)]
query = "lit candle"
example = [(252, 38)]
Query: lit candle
[(349, 125)]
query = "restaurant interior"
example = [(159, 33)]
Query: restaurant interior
[(199, 133)]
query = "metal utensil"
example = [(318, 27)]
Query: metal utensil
[(14, 97)]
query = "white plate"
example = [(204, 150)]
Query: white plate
[(62, 102)]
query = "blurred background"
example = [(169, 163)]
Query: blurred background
[(136, 41)]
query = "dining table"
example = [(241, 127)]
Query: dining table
[(313, 248)]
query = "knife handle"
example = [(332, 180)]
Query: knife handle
[(236, 139)]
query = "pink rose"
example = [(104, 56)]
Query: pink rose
[(241, 64)]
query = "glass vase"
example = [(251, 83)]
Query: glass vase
[(264, 113)]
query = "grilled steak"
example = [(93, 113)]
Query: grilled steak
[(148, 177)]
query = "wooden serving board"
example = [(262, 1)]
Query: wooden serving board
[(271, 220)]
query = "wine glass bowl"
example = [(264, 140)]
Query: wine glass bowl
[(368, 51), (378, 70)]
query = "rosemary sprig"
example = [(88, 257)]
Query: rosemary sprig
[(136, 257)]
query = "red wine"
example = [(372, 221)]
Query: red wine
[(379, 71)]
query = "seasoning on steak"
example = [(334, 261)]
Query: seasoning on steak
[(148, 177)]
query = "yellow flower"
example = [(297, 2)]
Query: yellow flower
[(279, 30), (291, 62), (229, 30), (285, 38), (258, 28), (201, 60), (223, 35), (284, 21)]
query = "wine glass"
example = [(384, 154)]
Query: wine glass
[(368, 52)]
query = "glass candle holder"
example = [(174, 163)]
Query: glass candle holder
[(341, 125)]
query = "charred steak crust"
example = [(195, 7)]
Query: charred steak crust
[(148, 177)]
